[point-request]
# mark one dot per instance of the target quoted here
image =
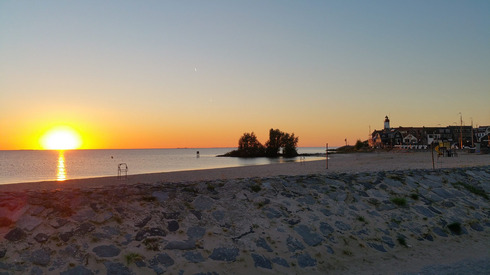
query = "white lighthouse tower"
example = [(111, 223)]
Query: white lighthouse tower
[(387, 123)]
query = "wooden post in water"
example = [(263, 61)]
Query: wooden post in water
[(326, 155)]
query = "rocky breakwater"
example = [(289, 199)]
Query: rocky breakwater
[(295, 224)]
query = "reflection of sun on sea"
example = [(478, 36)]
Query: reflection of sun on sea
[(61, 167), (61, 138)]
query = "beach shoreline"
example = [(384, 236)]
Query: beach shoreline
[(343, 163)]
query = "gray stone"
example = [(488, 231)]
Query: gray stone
[(117, 269), (376, 194), (330, 250), (423, 211), (433, 209), (158, 270), (386, 205), (293, 244), (448, 204), (140, 263), (326, 229), (202, 203), (173, 226), (41, 238), (28, 223), (2, 253), (309, 237), (73, 251), (433, 181), (326, 212), (162, 258), (197, 214), (110, 230), (36, 271), (83, 215), (171, 215), (392, 183), (15, 234), (195, 232), (439, 231), (58, 222), (308, 199), (388, 241), (292, 221), (142, 222), (66, 236), (443, 193), (272, 213), (305, 260), (364, 231), (280, 261), (160, 196), (342, 226), (41, 257), (150, 232), (101, 218), (224, 254), (84, 228), (261, 261), (181, 245), (378, 247), (337, 196), (218, 215), (261, 242), (476, 226), (363, 194), (193, 257), (428, 237), (77, 270), (106, 251), (373, 213)]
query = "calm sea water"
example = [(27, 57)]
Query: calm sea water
[(30, 166)]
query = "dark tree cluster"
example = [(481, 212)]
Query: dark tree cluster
[(249, 146)]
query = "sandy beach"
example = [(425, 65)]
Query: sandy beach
[(340, 163), (373, 213)]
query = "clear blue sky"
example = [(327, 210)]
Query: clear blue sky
[(201, 73)]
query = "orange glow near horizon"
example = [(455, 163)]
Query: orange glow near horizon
[(61, 138)]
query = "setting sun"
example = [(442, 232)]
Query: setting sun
[(61, 138)]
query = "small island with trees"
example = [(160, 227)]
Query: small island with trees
[(250, 147)]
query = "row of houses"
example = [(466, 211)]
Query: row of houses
[(422, 137)]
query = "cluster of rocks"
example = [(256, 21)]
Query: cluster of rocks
[(289, 224)]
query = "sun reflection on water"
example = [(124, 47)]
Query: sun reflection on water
[(61, 167)]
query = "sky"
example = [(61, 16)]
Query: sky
[(172, 74)]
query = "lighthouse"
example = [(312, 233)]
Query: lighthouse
[(387, 123)]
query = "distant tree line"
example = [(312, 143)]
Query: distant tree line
[(249, 146)]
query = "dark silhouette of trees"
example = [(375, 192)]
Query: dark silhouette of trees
[(289, 142), (274, 143), (278, 140), (249, 146), (359, 145)]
